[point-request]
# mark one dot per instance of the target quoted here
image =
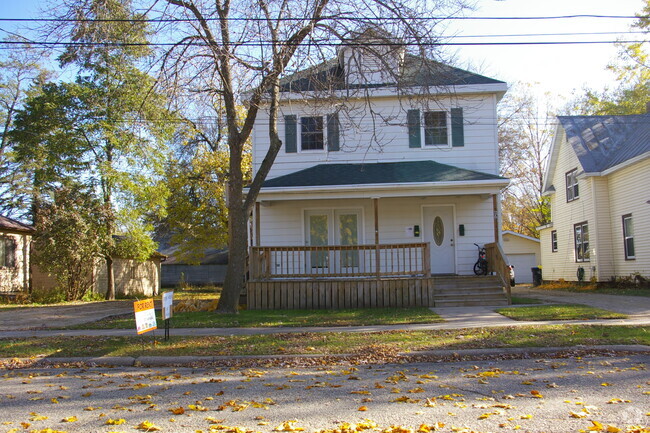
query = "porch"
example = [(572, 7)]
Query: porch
[(366, 276)]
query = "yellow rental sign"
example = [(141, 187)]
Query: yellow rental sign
[(145, 316)]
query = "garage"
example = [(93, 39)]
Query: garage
[(522, 264), (523, 253)]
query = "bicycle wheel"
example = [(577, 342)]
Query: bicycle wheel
[(480, 267)]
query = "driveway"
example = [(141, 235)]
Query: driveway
[(12, 319), (634, 306)]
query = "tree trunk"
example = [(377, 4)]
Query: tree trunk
[(237, 251), (110, 279)]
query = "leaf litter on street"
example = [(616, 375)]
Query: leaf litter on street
[(586, 393)]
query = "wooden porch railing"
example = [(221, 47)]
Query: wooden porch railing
[(340, 261), (497, 263)]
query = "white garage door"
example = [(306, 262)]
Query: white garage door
[(522, 264)]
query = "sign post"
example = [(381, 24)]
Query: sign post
[(167, 301)]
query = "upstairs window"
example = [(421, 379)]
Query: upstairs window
[(440, 128), (572, 192), (581, 235), (311, 133), (628, 237), (435, 128)]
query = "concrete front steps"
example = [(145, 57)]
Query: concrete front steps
[(471, 291)]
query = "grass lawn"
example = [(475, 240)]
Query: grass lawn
[(592, 288), (328, 343), (254, 318), (558, 312)]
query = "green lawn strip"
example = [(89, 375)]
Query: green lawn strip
[(328, 343), (592, 289), (521, 300), (558, 312), (292, 318)]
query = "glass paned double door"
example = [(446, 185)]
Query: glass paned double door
[(333, 227)]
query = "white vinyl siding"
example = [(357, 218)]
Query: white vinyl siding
[(282, 223), (562, 264), (368, 139), (627, 198)]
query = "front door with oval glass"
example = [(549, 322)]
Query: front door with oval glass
[(439, 231)]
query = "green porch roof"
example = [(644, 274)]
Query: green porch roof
[(378, 173)]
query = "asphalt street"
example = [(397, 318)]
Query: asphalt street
[(529, 395)]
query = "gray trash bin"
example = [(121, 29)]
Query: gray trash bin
[(537, 276)]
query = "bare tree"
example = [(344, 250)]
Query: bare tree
[(235, 53), (525, 134)]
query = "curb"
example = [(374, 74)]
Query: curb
[(161, 361)]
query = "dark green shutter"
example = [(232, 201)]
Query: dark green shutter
[(457, 128), (333, 132), (290, 134), (413, 120)]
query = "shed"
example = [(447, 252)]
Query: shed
[(523, 253), (15, 240), (211, 268)]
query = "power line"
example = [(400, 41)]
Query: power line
[(342, 16), (315, 43)]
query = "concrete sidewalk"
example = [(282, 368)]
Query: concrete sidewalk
[(455, 318), (14, 322)]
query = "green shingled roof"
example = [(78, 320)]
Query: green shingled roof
[(378, 173)]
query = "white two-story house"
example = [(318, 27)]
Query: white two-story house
[(600, 208), (387, 177)]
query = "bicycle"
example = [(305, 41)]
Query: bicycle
[(481, 265)]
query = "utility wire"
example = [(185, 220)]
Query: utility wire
[(342, 16), (315, 43)]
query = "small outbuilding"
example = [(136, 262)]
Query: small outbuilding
[(15, 240), (210, 269), (523, 253)]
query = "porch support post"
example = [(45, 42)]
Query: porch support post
[(495, 216), (375, 202), (257, 224)]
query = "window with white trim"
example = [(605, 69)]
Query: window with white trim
[(581, 236), (312, 133), (628, 237), (572, 192), (554, 241), (435, 128)]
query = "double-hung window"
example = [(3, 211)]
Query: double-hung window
[(554, 241), (572, 192), (581, 236), (311, 133), (628, 237), (435, 128)]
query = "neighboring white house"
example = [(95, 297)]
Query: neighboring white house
[(523, 254), (597, 179), (401, 154)]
